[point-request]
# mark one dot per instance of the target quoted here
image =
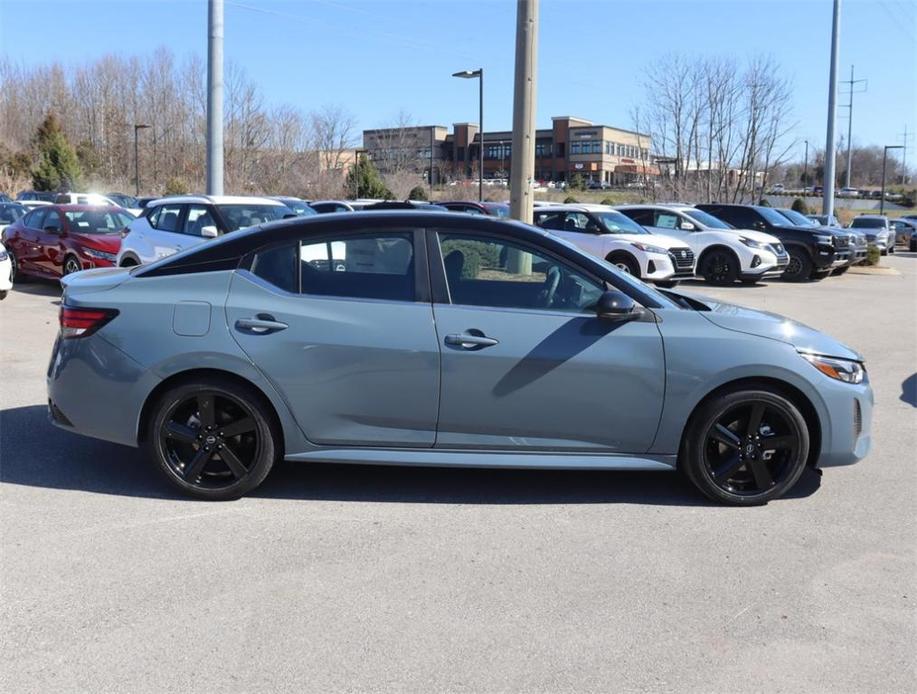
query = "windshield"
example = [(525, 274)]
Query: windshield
[(866, 223), (240, 216), (10, 213), (707, 219), (798, 219), (498, 210), (123, 200), (299, 208), (98, 221), (772, 216), (617, 223)]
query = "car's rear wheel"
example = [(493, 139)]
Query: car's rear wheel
[(128, 262), (799, 267), (720, 267), (15, 274), (212, 438), (71, 265), (625, 263), (2, 295), (912, 247), (840, 270), (746, 447)]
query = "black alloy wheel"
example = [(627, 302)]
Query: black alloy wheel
[(747, 447), (720, 268), (71, 265), (213, 440), (799, 267)]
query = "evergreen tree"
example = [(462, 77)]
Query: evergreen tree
[(58, 167), (364, 181)]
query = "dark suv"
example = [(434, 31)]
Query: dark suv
[(814, 252)]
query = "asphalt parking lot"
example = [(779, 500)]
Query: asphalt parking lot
[(338, 578)]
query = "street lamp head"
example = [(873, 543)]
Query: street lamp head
[(468, 74), (141, 126)]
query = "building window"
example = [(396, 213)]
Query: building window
[(542, 149), (576, 148), (596, 147)]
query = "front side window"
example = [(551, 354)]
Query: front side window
[(493, 272), (667, 220), (197, 218), (361, 266), (52, 221), (35, 219)]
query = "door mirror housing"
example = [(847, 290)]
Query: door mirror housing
[(616, 305), (209, 232)]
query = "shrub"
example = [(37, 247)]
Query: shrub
[(577, 182), (570, 200), (800, 206), (477, 255), (873, 256), (763, 203), (418, 193), (607, 201), (176, 186)]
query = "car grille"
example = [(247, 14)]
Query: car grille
[(682, 258)]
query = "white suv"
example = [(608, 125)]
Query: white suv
[(606, 233), (724, 254), (169, 225)]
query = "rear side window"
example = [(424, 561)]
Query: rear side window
[(35, 219), (364, 266), (165, 217)]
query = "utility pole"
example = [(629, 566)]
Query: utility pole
[(849, 106), (805, 171), (215, 97), (905, 144), (522, 171), (882, 199), (827, 207)]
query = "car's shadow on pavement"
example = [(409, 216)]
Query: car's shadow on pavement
[(37, 287), (37, 454), (909, 390)]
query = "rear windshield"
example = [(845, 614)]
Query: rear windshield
[(240, 216), (98, 221), (10, 213), (861, 223), (772, 216), (798, 219)]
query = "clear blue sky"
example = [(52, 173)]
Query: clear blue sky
[(377, 58)]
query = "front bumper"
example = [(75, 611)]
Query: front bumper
[(846, 430), (768, 265)]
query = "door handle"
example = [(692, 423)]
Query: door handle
[(262, 324), (470, 341)]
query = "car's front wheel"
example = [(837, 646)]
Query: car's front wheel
[(799, 267), (745, 447), (720, 268), (71, 265), (625, 263), (212, 438)]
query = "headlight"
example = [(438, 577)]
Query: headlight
[(751, 243), (838, 369), (101, 255), (647, 248), (826, 239)]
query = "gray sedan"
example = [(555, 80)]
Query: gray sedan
[(416, 338)]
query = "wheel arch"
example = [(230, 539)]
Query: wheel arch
[(718, 246), (621, 254), (192, 374), (131, 256), (788, 390)]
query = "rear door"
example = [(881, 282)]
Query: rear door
[(526, 364), (26, 247), (342, 325)]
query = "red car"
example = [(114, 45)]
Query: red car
[(56, 240)]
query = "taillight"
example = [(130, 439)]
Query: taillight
[(80, 322)]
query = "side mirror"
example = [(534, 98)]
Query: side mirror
[(615, 305), (209, 232)]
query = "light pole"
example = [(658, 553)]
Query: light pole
[(884, 158), (479, 74), (827, 207), (805, 172), (137, 127)]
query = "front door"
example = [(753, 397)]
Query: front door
[(337, 326), (51, 254), (527, 365)]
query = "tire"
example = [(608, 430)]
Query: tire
[(16, 275), (667, 284), (912, 247), (885, 252), (128, 262), (799, 269), (750, 281), (3, 295), (625, 263), (71, 265), (731, 461), (719, 267), (840, 270), (177, 438)]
